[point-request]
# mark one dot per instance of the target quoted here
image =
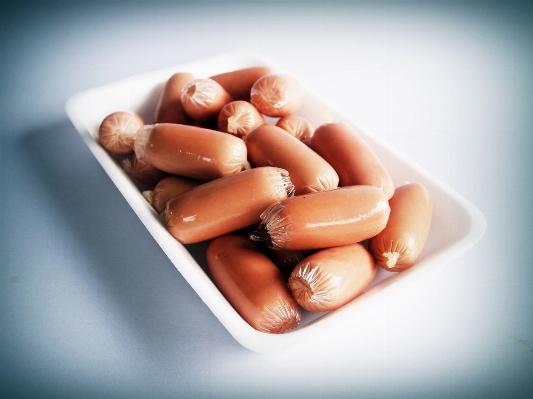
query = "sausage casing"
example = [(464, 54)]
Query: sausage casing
[(225, 205), (117, 131), (203, 99), (239, 118), (169, 108), (168, 188), (298, 126), (190, 151), (269, 145), (324, 219), (351, 156), (277, 94), (238, 83), (141, 171), (252, 284), (331, 277), (401, 242)]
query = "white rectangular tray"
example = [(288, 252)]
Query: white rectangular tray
[(457, 224)]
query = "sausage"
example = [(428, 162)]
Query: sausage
[(401, 242), (117, 131), (169, 108), (239, 118), (332, 277), (190, 151), (252, 284), (298, 126), (269, 145), (239, 83), (225, 205), (324, 219), (168, 188), (351, 156), (277, 94), (203, 99), (141, 171)]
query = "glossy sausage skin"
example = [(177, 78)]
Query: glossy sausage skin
[(252, 284), (117, 131), (351, 156), (169, 108), (239, 83), (239, 118), (269, 145), (277, 94), (168, 188), (298, 126), (141, 171), (325, 219), (203, 99), (190, 151), (331, 277), (225, 205), (401, 242)]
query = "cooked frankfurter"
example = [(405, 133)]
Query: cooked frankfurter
[(169, 108), (225, 205), (239, 118), (252, 284), (351, 157), (167, 188), (401, 242), (239, 83), (117, 131), (190, 151), (141, 171), (277, 94), (269, 145), (298, 126), (203, 99), (324, 219), (331, 277)]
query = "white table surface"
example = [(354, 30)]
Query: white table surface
[(90, 305)]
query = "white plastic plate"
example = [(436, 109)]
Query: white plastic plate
[(457, 224)]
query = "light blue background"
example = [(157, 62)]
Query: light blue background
[(91, 307)]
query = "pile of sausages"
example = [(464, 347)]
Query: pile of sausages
[(296, 217)]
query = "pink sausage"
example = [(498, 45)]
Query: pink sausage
[(332, 277), (325, 219), (239, 118), (298, 126), (239, 83), (225, 205), (169, 108), (142, 172), (168, 188), (252, 284), (401, 242), (117, 131), (269, 145), (203, 99), (277, 94), (351, 156), (190, 151)]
